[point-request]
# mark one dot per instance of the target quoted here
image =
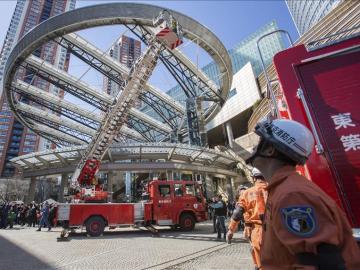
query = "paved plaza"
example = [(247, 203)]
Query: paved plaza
[(24, 248)]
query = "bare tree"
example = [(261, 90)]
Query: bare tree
[(12, 189)]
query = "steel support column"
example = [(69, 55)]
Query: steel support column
[(209, 186), (110, 181), (169, 175), (128, 185), (31, 194), (63, 184), (109, 185), (229, 188), (229, 134)]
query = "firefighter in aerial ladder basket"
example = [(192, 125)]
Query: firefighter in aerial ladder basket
[(251, 207), (167, 30), (303, 227)]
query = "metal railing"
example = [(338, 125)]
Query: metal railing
[(270, 93), (333, 39)]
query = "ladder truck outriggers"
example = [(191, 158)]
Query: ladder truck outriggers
[(170, 203)]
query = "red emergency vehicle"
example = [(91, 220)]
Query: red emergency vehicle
[(168, 203), (320, 87)]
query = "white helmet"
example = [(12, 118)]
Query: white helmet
[(256, 173), (289, 137)]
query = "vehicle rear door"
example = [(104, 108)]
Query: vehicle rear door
[(331, 86)]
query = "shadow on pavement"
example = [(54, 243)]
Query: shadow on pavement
[(16, 228), (13, 257), (110, 234)]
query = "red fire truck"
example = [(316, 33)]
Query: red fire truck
[(171, 203), (320, 87), (166, 203)]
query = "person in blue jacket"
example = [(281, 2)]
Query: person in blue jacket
[(44, 217)]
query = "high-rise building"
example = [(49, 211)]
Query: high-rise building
[(307, 13), (15, 139), (125, 50), (130, 50)]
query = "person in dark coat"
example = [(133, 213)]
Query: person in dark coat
[(23, 211), (230, 207), (4, 216), (11, 217), (220, 213), (32, 215), (52, 215)]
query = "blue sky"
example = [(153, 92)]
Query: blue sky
[(231, 21)]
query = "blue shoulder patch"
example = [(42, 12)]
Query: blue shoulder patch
[(300, 220)]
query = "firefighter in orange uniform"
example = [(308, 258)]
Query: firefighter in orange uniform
[(251, 205), (303, 227)]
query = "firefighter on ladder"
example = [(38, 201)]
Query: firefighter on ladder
[(303, 227), (251, 205)]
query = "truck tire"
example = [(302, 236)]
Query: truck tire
[(95, 226), (187, 222)]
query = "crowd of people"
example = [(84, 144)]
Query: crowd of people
[(30, 215)]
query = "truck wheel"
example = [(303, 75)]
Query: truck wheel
[(95, 226), (187, 222)]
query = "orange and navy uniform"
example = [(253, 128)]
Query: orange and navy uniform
[(252, 201), (300, 220)]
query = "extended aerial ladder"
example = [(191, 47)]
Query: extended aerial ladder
[(168, 34)]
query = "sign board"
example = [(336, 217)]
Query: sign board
[(332, 90), (329, 79), (63, 211)]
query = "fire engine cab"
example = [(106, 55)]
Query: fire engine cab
[(179, 204)]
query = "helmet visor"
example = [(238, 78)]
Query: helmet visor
[(255, 151), (243, 152)]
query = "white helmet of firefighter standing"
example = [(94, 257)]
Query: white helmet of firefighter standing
[(289, 137), (256, 173)]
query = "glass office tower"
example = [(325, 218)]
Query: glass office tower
[(244, 52), (307, 13)]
